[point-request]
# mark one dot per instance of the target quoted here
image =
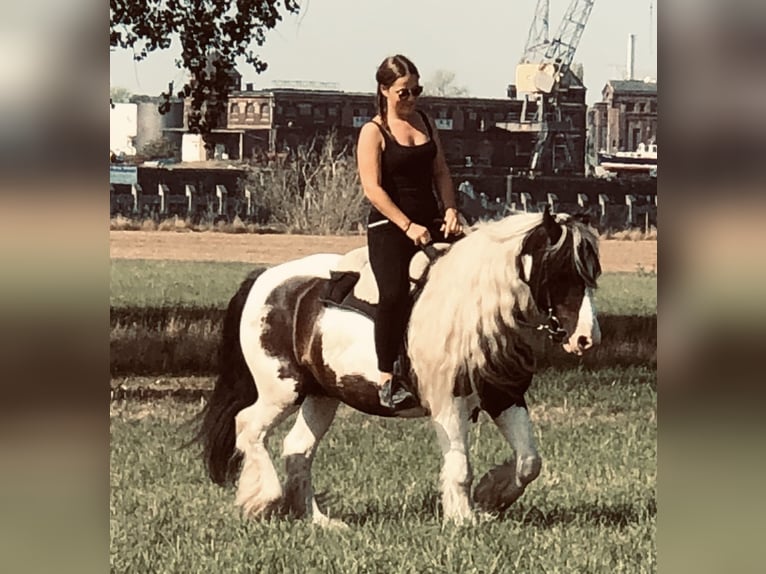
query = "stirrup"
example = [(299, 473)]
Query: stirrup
[(393, 394)]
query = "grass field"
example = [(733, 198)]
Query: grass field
[(593, 508), (154, 283)]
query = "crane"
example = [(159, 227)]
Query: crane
[(544, 74)]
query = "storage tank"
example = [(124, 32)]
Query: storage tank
[(151, 122)]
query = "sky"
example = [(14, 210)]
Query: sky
[(343, 41)]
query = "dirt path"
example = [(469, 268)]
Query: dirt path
[(210, 246)]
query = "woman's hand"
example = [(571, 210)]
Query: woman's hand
[(451, 225), (418, 234)]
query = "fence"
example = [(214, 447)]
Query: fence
[(612, 207)]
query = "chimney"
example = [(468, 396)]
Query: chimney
[(631, 56)]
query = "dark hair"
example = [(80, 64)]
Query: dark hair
[(390, 70)]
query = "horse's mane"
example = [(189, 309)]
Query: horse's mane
[(467, 312)]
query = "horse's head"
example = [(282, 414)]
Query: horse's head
[(559, 262)]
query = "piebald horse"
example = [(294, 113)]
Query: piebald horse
[(474, 331)]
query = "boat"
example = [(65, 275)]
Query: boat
[(643, 160)]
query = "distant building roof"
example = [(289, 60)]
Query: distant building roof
[(633, 86), (455, 100)]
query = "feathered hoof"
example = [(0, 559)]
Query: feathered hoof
[(497, 490)]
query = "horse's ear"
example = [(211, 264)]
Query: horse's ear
[(551, 226)]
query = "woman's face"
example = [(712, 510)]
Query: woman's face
[(403, 94)]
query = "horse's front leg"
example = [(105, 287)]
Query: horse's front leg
[(503, 485), (451, 424)]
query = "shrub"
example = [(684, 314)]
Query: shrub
[(316, 191)]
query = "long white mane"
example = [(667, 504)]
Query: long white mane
[(468, 308)]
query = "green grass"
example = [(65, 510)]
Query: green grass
[(148, 283), (627, 294), (592, 509)]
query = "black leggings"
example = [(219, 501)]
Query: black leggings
[(390, 252)]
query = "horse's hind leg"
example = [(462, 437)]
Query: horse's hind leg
[(259, 491), (314, 418)]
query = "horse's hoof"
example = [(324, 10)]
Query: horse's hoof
[(498, 489)]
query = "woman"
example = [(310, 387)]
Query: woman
[(401, 161)]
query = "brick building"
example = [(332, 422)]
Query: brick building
[(626, 116), (478, 133)]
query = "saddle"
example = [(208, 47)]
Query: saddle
[(352, 284)]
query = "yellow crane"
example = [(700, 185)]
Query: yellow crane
[(545, 78)]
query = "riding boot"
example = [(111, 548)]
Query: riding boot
[(392, 393)]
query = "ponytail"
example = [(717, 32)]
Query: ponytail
[(383, 109)]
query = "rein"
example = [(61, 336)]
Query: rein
[(433, 254)]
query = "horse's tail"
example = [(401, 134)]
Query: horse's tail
[(234, 390)]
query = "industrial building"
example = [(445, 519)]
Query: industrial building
[(626, 117), (475, 132)]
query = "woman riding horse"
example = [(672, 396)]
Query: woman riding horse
[(474, 332)]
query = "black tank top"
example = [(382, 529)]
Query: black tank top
[(407, 177)]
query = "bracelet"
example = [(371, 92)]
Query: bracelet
[(407, 227)]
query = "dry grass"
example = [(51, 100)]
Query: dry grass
[(237, 225), (633, 234), (317, 192), (182, 224)]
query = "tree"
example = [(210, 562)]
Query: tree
[(213, 34), (160, 148), (119, 95), (442, 83)]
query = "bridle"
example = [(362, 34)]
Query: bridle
[(551, 324)]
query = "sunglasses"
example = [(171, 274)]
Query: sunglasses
[(405, 93)]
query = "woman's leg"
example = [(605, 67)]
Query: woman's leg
[(390, 253)]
